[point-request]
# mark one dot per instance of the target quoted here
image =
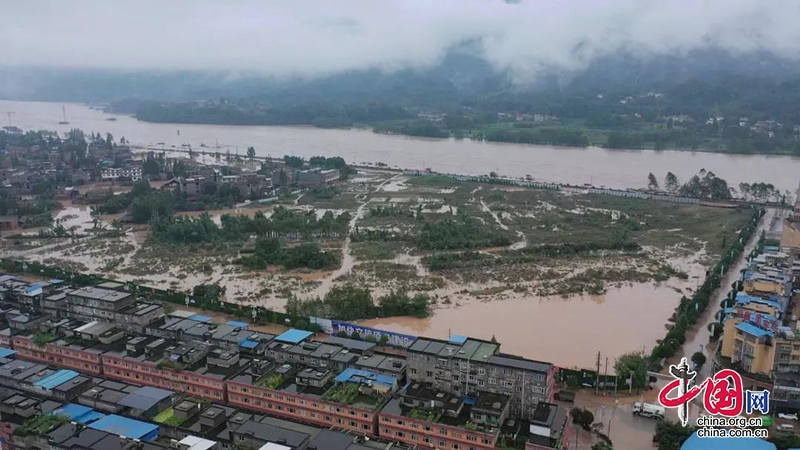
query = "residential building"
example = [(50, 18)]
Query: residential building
[(466, 366), (97, 303), (316, 176), (133, 173)]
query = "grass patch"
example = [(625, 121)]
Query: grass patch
[(433, 180), (168, 417), (376, 250)]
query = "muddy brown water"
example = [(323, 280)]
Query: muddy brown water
[(612, 168)]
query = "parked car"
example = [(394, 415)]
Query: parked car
[(786, 416)]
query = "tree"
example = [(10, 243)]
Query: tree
[(493, 174), (355, 336), (384, 339), (652, 183), (632, 365), (602, 445), (671, 435), (301, 324), (582, 417), (251, 152), (699, 359), (785, 441), (671, 183)]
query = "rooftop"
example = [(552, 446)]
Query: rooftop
[(122, 426), (697, 443), (145, 398), (753, 330), (96, 293), (294, 336)]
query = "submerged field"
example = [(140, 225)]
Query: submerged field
[(493, 260), (430, 234)]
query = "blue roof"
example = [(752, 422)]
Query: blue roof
[(771, 248), (78, 413), (360, 376), (32, 288), (200, 318), (729, 310), (247, 343), (234, 323), (457, 339), (56, 378), (6, 352), (294, 336), (697, 443), (752, 329), (122, 426)]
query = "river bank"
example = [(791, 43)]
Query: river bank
[(576, 166)]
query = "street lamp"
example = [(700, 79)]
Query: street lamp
[(611, 420)]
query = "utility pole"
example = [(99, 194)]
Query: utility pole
[(597, 381), (605, 374), (9, 114)]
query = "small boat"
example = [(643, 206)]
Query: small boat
[(64, 111), (111, 119)]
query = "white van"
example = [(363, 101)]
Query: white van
[(786, 428)]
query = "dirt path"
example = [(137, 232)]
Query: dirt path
[(348, 260)]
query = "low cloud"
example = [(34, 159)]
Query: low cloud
[(316, 37)]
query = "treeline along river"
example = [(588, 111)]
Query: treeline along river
[(598, 166)]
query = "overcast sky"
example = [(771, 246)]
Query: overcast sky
[(317, 37)]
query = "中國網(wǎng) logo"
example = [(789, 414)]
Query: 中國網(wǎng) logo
[(723, 394)]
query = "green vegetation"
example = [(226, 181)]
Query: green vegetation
[(168, 418), (322, 115), (273, 381), (671, 435), (42, 338), (42, 424), (345, 393), (540, 135), (172, 365), (784, 441), (582, 417), (690, 309), (420, 128), (270, 251), (349, 302), (284, 223), (463, 233), (633, 365), (433, 180), (698, 358)]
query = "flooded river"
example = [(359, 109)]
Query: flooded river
[(613, 168)]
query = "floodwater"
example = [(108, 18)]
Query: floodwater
[(565, 331), (612, 168)]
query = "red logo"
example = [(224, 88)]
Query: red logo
[(723, 394)]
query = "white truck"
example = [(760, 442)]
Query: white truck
[(649, 410)]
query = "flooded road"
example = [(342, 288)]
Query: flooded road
[(612, 168)]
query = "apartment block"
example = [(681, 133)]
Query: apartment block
[(347, 401), (425, 417), (91, 303), (466, 367)]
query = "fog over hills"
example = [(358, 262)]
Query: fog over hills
[(410, 52)]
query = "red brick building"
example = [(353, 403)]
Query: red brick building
[(148, 373), (68, 357)]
